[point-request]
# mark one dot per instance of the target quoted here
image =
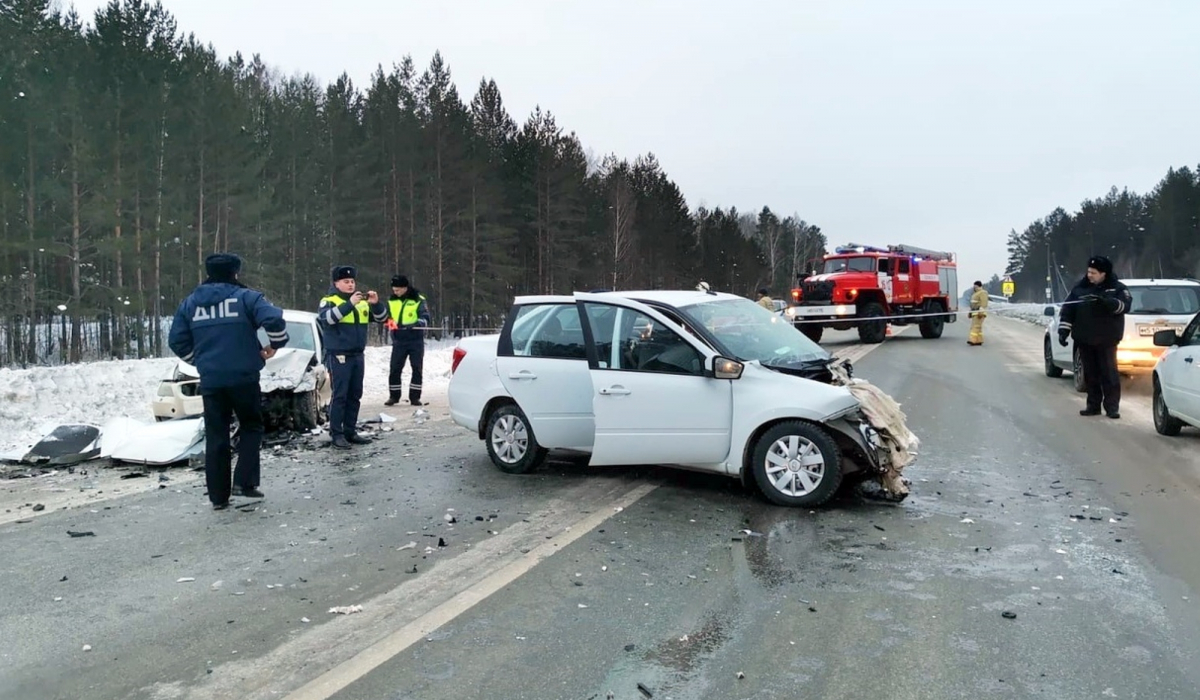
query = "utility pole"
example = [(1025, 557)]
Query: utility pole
[(1049, 288)]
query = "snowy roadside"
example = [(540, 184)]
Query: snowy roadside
[(34, 401), (1030, 313)]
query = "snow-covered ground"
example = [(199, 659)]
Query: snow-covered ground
[(33, 401), (1032, 313)]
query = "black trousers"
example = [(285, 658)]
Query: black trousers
[(415, 356), (346, 377), (1100, 377), (220, 405)]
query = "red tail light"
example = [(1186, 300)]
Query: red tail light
[(459, 354)]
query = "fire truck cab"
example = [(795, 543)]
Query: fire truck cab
[(868, 287)]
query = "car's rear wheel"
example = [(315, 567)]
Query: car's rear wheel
[(1077, 371), (1052, 370), (796, 463), (932, 327), (1164, 422), (510, 441)]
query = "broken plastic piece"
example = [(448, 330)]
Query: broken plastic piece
[(346, 609)]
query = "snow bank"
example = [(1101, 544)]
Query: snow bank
[(34, 401), (1031, 313)]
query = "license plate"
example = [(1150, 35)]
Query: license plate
[(1147, 331)]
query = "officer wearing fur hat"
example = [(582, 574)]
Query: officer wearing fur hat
[(216, 329), (408, 319), (343, 316), (1094, 316)]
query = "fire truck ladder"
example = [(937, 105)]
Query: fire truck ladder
[(923, 252)]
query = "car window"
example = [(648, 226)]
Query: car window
[(549, 330), (863, 264), (747, 332), (602, 319), (300, 336), (643, 344), (1191, 334), (903, 266), (1165, 300)]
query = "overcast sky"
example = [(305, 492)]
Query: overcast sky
[(941, 124)]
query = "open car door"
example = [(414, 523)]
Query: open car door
[(654, 399)]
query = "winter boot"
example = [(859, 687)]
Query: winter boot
[(393, 399)]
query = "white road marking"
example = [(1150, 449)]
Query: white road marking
[(350, 670)]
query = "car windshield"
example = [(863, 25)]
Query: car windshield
[(1165, 300), (300, 336), (862, 264), (750, 332)]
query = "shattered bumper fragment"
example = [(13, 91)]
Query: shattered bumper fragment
[(889, 443)]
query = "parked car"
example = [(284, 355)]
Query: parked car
[(1158, 304), (1176, 378), (696, 379), (295, 382)]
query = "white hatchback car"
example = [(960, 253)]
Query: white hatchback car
[(696, 379), (1176, 379), (1158, 304)]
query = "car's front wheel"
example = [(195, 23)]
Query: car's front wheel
[(510, 441), (1164, 422), (797, 463), (305, 414)]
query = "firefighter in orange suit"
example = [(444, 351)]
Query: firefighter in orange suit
[(979, 304)]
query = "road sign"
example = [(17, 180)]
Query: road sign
[(1007, 287)]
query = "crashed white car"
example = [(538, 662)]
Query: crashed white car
[(295, 382), (695, 379)]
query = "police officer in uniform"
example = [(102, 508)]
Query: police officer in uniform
[(1094, 315), (216, 329), (343, 316), (408, 317)]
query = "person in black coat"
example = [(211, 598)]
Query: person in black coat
[(1094, 316), (216, 329)]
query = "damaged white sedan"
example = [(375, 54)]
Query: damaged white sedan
[(295, 382), (694, 379)]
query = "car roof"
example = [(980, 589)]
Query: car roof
[(1155, 282), (297, 315), (672, 297)]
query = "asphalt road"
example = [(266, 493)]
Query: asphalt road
[(576, 582)]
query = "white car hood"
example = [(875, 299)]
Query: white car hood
[(818, 399), (126, 440), (286, 371)]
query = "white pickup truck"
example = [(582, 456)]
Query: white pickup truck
[(695, 379)]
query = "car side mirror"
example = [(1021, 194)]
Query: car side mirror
[(1166, 338), (725, 368), (1048, 311)]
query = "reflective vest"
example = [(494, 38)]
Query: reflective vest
[(404, 312), (362, 312)]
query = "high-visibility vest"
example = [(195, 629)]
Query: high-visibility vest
[(404, 311), (362, 310)]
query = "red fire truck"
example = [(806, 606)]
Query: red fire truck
[(867, 287)]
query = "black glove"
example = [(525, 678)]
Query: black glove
[(1062, 336)]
